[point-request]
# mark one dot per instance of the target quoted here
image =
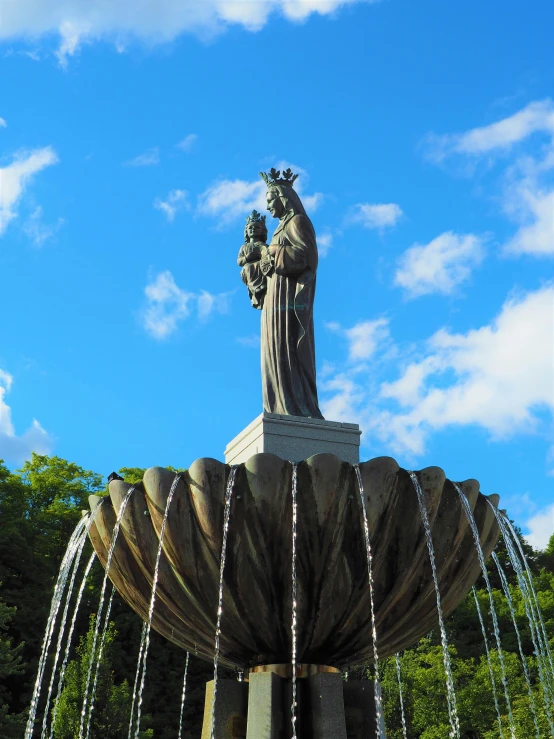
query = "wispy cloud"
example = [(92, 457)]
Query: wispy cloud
[(376, 215), (524, 142), (78, 22), (147, 159), (252, 341), (16, 177), (228, 200), (3, 123), (175, 201), (324, 243), (540, 527), (363, 338), (38, 231), (498, 377), (14, 448), (167, 305), (439, 266), (188, 142)]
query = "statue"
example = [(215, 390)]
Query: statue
[(253, 258), (288, 266)]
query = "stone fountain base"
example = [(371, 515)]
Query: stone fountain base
[(328, 707)]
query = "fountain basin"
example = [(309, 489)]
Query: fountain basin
[(334, 613)]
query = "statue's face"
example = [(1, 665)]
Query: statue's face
[(274, 204), (255, 230)]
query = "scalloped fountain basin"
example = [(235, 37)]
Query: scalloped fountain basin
[(334, 615)]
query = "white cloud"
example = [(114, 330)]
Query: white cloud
[(536, 117), (188, 142), (147, 159), (440, 265), (77, 22), (38, 231), (16, 176), (230, 199), (15, 448), (167, 305), (3, 123), (176, 200), (324, 243), (363, 338), (499, 377), (376, 215), (252, 341), (527, 184), (541, 528)]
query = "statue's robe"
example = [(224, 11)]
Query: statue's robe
[(288, 347)]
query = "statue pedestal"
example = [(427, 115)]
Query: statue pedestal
[(295, 438)]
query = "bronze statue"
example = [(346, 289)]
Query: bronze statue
[(252, 255), (288, 266)]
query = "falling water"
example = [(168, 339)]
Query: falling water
[(523, 582), (137, 678), (72, 548), (115, 533), (69, 638), (489, 662), (450, 693), (506, 589), (99, 660), (475, 531), (377, 687), (294, 624), (61, 632), (153, 602), (183, 696), (226, 518), (534, 596), (400, 693)]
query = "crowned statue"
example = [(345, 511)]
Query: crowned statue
[(281, 278)]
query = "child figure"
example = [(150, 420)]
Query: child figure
[(251, 253)]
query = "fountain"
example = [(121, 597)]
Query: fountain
[(291, 562)]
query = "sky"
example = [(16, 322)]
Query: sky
[(131, 138)]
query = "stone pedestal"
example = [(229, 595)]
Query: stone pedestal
[(327, 708), (231, 707), (295, 438)]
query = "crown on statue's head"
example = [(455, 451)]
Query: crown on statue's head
[(274, 177), (255, 217)]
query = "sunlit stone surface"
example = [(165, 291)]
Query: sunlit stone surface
[(334, 617)]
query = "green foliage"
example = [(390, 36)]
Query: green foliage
[(110, 719), (10, 664), (39, 508)]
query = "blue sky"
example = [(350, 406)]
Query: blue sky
[(131, 136)]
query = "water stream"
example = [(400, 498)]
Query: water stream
[(61, 632), (99, 661), (450, 692), (69, 640), (379, 723), (524, 580), (113, 541), (294, 624), (489, 662), (152, 604), (72, 548), (183, 696), (477, 539), (508, 596), (401, 696), (137, 678), (226, 519)]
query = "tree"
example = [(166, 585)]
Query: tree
[(110, 719), (11, 725)]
